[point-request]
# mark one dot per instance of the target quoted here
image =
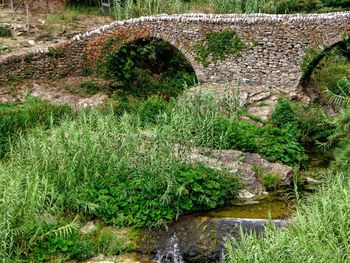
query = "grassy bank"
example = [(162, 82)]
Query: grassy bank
[(319, 229), (117, 165)]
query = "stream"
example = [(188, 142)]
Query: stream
[(200, 237)]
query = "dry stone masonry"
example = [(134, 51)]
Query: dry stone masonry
[(275, 46)]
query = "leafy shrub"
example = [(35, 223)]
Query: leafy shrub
[(200, 119), (55, 53), (5, 32), (146, 67), (69, 247), (309, 124), (151, 108), (283, 114), (204, 189), (280, 145), (272, 143), (124, 203)]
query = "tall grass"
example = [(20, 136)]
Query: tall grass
[(20, 118), (319, 229), (54, 173), (131, 8)]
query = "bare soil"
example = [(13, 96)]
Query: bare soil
[(46, 29)]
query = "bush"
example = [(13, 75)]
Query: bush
[(309, 124), (146, 67), (122, 202), (151, 108), (283, 114), (69, 247), (201, 120)]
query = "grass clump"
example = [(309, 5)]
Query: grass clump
[(270, 180), (5, 32), (18, 119)]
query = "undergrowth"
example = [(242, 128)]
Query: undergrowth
[(16, 120), (146, 67), (218, 46)]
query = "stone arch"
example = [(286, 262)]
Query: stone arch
[(307, 84), (161, 67), (175, 45), (126, 35)]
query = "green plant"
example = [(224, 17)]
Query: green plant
[(309, 124), (146, 67), (270, 180), (28, 58), (283, 113), (126, 9), (317, 232), (310, 56), (55, 53), (18, 119), (218, 45), (197, 188), (5, 32), (72, 246), (151, 108), (339, 94)]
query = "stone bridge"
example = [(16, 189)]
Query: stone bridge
[(274, 46)]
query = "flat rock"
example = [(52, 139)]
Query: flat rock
[(243, 165)]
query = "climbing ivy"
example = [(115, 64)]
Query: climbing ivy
[(218, 45)]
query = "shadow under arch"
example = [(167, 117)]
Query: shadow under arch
[(151, 65), (307, 83)]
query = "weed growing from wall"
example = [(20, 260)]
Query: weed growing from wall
[(218, 46), (55, 53)]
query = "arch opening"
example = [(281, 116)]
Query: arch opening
[(150, 66), (326, 76)]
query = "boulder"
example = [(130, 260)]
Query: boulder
[(244, 165)]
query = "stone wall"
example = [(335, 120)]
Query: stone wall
[(273, 60)]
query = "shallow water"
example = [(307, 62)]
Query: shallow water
[(259, 209)]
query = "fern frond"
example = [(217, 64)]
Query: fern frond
[(66, 230), (340, 96)]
